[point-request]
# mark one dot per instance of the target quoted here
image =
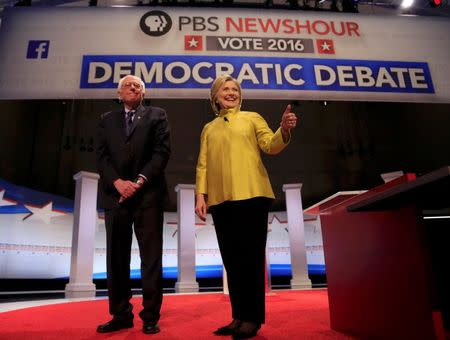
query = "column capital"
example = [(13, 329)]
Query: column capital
[(292, 186), (86, 174), (179, 187)]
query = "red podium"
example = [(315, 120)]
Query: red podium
[(385, 278)]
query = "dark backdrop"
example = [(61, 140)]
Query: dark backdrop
[(335, 147)]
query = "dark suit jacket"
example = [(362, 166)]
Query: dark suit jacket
[(145, 151)]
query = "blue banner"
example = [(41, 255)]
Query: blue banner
[(259, 73)]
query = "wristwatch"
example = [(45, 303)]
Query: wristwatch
[(140, 181)]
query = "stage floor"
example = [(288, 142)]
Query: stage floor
[(291, 314)]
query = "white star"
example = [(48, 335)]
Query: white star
[(193, 42), (45, 213), (4, 202), (325, 46)]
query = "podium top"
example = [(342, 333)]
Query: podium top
[(430, 191)]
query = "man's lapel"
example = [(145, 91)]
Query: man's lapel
[(119, 119)]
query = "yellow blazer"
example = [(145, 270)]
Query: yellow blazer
[(229, 165)]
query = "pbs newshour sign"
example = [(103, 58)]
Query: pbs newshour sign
[(83, 52)]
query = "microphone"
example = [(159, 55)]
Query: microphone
[(225, 119)]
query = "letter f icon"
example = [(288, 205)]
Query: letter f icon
[(38, 49)]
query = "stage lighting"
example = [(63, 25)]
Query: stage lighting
[(406, 3), (435, 3), (318, 4)]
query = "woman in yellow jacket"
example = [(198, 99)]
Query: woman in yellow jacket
[(232, 182)]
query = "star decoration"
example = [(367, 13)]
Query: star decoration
[(193, 42), (325, 46), (44, 213), (4, 201)]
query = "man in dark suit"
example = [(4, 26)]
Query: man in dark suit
[(132, 150)]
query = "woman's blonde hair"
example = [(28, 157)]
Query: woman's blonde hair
[(216, 86)]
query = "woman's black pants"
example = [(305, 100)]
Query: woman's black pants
[(241, 228)]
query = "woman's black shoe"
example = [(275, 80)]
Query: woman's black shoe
[(246, 330), (228, 329)]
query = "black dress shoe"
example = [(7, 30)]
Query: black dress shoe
[(228, 329), (150, 328), (114, 325), (247, 330)]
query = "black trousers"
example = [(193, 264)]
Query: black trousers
[(241, 228), (148, 227)]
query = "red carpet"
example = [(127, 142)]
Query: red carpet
[(290, 315)]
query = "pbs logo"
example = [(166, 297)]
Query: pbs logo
[(155, 23)]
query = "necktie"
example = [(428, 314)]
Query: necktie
[(129, 122)]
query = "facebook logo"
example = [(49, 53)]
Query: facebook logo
[(38, 49)]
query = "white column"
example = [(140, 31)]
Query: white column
[(225, 281), (268, 276), (186, 282), (83, 236), (296, 228)]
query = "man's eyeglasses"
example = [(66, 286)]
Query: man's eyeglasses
[(130, 84)]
